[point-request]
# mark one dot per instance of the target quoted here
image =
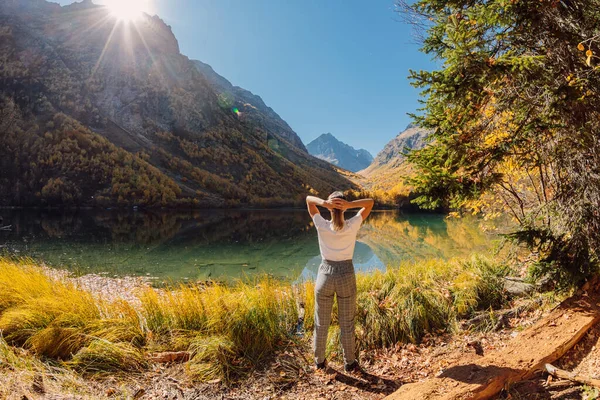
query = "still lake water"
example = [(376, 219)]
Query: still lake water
[(224, 244)]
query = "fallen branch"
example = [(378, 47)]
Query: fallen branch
[(560, 384), (501, 317), (561, 395), (561, 373)]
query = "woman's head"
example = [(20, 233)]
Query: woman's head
[(337, 216)]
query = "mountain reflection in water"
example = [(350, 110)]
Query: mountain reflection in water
[(224, 244)]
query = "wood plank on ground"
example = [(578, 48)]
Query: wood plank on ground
[(484, 376)]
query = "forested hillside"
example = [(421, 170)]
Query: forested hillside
[(97, 111)]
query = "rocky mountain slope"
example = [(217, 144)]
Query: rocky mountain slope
[(327, 147), (101, 111), (389, 167), (249, 105)]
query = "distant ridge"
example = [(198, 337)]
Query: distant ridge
[(327, 147), (394, 152), (389, 167)]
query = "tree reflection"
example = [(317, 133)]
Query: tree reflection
[(398, 237), (225, 244)]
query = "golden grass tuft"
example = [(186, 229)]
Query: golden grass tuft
[(31, 302), (333, 349), (21, 281), (55, 319), (58, 343), (248, 321), (230, 329), (403, 304), (216, 358), (19, 369), (104, 356)]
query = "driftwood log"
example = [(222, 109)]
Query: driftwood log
[(573, 377)]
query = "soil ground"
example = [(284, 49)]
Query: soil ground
[(291, 375), (385, 370), (583, 359), (288, 377), (548, 341)]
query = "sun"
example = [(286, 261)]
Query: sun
[(126, 10)]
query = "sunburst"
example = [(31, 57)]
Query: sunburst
[(126, 34), (127, 10)]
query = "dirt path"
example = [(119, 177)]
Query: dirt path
[(481, 377)]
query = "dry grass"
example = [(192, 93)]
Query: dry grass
[(101, 356), (240, 325), (229, 330), (19, 369), (404, 304)]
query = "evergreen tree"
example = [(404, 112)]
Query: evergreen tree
[(516, 118)]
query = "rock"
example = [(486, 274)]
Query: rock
[(545, 284), (477, 346), (517, 287)]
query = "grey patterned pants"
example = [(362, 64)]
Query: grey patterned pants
[(335, 277)]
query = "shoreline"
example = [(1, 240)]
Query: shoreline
[(106, 288)]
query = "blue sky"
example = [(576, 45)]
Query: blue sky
[(336, 66)]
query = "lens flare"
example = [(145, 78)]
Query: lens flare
[(127, 10), (226, 101)]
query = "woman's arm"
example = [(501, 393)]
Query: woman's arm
[(312, 202), (365, 205)]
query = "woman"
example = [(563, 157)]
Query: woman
[(337, 238)]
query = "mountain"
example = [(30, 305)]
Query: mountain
[(250, 105), (328, 148), (97, 111), (389, 167)]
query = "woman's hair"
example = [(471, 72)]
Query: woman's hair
[(337, 216)]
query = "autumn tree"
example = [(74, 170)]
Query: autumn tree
[(515, 112)]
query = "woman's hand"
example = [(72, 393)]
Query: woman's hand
[(340, 204), (329, 204)]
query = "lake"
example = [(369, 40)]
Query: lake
[(224, 244)]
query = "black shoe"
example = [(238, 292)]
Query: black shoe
[(352, 367), (321, 366)]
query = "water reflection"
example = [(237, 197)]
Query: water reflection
[(223, 244), (364, 260)]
